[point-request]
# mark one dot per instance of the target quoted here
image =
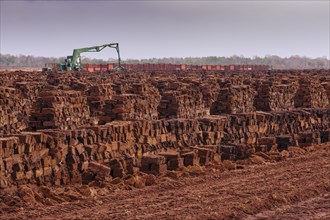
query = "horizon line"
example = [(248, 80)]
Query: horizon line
[(234, 55)]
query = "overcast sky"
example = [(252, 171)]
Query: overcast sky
[(166, 29)]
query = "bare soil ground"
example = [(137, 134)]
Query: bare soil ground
[(296, 187)]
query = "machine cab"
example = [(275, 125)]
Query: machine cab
[(71, 65)]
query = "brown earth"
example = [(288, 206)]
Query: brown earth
[(296, 187)]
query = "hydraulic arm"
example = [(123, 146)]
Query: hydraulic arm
[(74, 62)]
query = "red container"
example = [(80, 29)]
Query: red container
[(153, 67), (104, 67), (110, 66), (97, 67)]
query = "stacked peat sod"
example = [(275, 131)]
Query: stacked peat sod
[(248, 128), (140, 103), (96, 97), (80, 152), (117, 148), (27, 158), (326, 86), (234, 99), (310, 94), (13, 111), (181, 104), (148, 110), (59, 109), (272, 96), (208, 87), (65, 157), (209, 90), (179, 97)]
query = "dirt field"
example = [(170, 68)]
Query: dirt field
[(297, 187)]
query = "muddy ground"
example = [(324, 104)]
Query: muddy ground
[(294, 186)]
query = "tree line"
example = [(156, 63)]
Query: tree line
[(293, 62)]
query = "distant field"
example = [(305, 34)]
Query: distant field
[(20, 68)]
